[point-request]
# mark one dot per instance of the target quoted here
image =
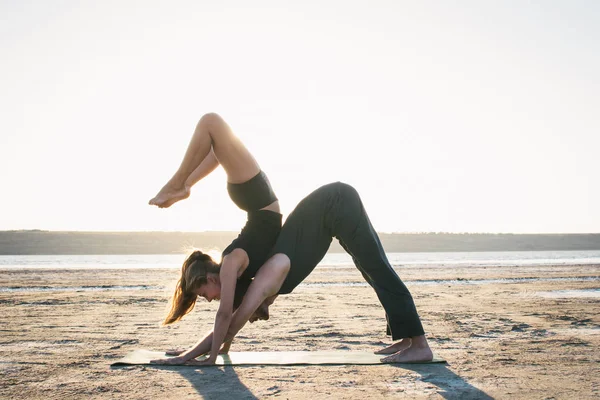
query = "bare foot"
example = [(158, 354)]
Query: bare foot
[(412, 354), (170, 195), (261, 313), (396, 347)]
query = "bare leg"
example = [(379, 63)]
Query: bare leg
[(208, 165), (170, 194), (212, 133), (418, 351)]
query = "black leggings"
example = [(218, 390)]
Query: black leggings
[(335, 210)]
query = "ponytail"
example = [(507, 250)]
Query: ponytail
[(194, 273)]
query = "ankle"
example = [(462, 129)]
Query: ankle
[(419, 342), (179, 179)]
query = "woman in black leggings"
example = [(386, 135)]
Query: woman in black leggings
[(333, 210)]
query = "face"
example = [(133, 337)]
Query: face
[(211, 290)]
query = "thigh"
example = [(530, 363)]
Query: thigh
[(357, 236), (236, 159)]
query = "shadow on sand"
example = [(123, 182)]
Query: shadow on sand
[(451, 385), (223, 382), (217, 383), (220, 382)]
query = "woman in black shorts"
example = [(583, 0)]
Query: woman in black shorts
[(333, 210), (214, 143)]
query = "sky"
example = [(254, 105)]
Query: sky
[(468, 116)]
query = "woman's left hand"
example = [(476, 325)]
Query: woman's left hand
[(208, 361), (170, 361)]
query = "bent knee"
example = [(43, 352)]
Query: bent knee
[(281, 261), (345, 189), (210, 119)]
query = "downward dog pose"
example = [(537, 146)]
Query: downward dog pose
[(214, 143), (334, 210)]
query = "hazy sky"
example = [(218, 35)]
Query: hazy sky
[(468, 116)]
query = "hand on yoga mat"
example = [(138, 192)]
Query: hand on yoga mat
[(170, 361), (176, 352), (208, 361)]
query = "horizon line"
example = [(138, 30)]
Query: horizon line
[(235, 232)]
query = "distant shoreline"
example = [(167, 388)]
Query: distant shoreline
[(38, 242)]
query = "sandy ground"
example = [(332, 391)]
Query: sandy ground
[(502, 340)]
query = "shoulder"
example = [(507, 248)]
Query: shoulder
[(237, 259)]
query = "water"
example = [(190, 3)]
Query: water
[(430, 282), (333, 260), (335, 263), (559, 294)]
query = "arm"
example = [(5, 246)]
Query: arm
[(226, 347), (178, 352), (266, 284), (212, 342), (230, 267), (202, 347)]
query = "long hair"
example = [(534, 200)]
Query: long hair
[(194, 273)]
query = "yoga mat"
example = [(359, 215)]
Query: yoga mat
[(328, 357)]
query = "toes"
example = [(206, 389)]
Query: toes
[(389, 350), (387, 359)]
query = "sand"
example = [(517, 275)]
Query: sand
[(502, 339)]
